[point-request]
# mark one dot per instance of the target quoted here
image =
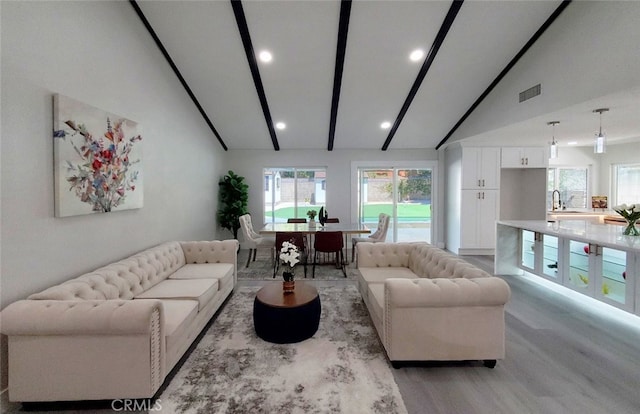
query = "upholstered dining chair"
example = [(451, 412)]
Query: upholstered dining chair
[(379, 235), (297, 238), (329, 242), (255, 241), (332, 220), (297, 220)]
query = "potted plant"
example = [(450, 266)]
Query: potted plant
[(290, 257), (234, 195), (312, 215)]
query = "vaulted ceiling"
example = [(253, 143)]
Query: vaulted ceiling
[(340, 69)]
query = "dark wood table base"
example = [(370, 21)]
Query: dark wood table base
[(286, 318)]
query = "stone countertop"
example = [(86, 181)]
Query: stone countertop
[(607, 235)]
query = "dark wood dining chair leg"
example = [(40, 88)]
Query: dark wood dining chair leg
[(249, 258), (315, 259), (255, 251), (344, 272)]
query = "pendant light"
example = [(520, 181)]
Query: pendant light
[(599, 146), (553, 148)]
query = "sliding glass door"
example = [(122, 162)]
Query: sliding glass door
[(404, 194)]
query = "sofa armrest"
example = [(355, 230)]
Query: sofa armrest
[(444, 319), (51, 344), (86, 317), (407, 293), (385, 254), (213, 251)]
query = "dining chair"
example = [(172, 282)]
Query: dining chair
[(297, 220), (297, 238), (253, 240), (332, 220), (329, 242), (380, 234)]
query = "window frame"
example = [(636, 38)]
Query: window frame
[(299, 208), (615, 181), (556, 170)]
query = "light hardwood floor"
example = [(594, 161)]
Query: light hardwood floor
[(562, 357)]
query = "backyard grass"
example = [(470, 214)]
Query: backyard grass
[(371, 211)]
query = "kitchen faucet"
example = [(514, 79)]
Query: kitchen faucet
[(553, 200)]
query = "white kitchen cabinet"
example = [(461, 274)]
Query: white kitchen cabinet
[(524, 157), (480, 168), (479, 213)]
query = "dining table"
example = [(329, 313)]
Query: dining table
[(311, 229)]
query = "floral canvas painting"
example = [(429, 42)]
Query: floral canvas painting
[(97, 160)]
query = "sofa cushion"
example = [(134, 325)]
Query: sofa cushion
[(204, 271), (223, 272), (376, 298), (201, 290), (380, 274), (178, 316)]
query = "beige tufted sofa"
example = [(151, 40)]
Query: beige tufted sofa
[(116, 332), (429, 305)]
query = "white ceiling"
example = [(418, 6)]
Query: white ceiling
[(578, 124), (203, 39)]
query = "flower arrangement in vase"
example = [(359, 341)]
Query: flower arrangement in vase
[(312, 215), (631, 214), (290, 257)]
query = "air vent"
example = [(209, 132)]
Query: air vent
[(530, 93)]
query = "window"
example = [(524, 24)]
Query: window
[(296, 191), (573, 184), (626, 184)]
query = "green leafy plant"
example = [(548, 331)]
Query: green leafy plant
[(311, 214), (234, 196)]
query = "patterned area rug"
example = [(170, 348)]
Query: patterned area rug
[(341, 369), (262, 268)]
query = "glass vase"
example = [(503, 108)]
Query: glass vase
[(289, 283), (631, 229)]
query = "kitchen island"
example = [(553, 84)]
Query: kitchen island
[(591, 258)]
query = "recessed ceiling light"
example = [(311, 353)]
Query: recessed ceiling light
[(265, 56), (572, 143), (281, 125), (416, 55), (385, 125)]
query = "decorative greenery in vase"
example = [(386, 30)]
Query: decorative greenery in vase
[(290, 257), (234, 195), (311, 214), (631, 213)]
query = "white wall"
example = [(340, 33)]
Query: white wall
[(523, 194), (590, 51), (340, 191), (101, 54)]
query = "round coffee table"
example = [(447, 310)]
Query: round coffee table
[(286, 318)]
